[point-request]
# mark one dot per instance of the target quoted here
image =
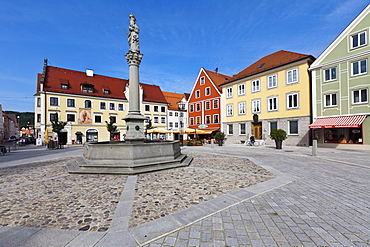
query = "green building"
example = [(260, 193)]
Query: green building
[(340, 88)]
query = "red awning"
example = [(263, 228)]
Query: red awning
[(338, 122)]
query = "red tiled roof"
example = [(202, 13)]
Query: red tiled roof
[(269, 62), (173, 99), (74, 79), (217, 78)]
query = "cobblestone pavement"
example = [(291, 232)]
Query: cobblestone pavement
[(327, 205)]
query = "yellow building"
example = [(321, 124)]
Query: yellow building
[(274, 92), (86, 101)]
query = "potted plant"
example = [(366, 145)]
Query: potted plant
[(220, 137), (279, 136)]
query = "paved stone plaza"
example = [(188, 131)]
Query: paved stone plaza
[(232, 195)]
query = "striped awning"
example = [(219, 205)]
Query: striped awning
[(338, 122)]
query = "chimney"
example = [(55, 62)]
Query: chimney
[(89, 72)]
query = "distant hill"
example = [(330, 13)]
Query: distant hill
[(25, 118)]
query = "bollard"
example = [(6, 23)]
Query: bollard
[(212, 144), (314, 148)]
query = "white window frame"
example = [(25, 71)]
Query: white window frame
[(228, 129), (210, 119), (287, 101), (256, 85), (241, 89), (294, 80), (197, 94), (214, 117), (98, 115), (69, 113), (170, 124), (270, 100), (91, 104), (330, 74), (360, 97), (197, 120), (229, 92), (74, 103), (358, 37), (330, 95), (289, 132), (218, 104), (112, 104), (202, 80), (192, 121), (105, 105), (191, 106), (148, 108), (274, 81), (57, 99), (229, 110), (120, 104), (156, 120), (207, 91), (207, 103), (256, 106), (196, 107), (241, 108), (277, 125), (240, 129), (163, 120), (359, 67)]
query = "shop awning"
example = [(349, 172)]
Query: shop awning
[(338, 122), (208, 131)]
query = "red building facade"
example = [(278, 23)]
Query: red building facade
[(204, 109)]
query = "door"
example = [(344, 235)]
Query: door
[(257, 130)]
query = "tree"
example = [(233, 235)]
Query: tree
[(111, 128), (57, 126)]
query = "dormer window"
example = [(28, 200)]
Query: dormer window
[(64, 86), (106, 91), (87, 88)]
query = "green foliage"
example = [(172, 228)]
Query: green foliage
[(220, 136), (189, 143), (111, 127), (57, 126), (149, 125), (278, 134), (25, 118)]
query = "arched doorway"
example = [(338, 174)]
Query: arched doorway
[(91, 135)]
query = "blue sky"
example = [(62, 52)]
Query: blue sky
[(177, 37)]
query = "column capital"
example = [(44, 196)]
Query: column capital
[(133, 58)]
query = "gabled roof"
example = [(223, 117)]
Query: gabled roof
[(217, 78), (340, 37), (173, 99), (268, 62), (75, 79)]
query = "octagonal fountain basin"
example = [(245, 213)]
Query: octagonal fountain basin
[(129, 158)]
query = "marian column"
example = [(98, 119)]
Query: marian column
[(134, 119)]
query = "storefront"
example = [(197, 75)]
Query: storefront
[(339, 130)]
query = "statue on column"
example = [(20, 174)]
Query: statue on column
[(133, 35)]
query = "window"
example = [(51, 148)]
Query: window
[(87, 103), (191, 108), (208, 91), (359, 67), (181, 124), (229, 109), (198, 120), (106, 91), (197, 94), (330, 74), (215, 118), (358, 40), (176, 114), (163, 120), (71, 103), (163, 109), (147, 107), (102, 105), (208, 105), (70, 117), (112, 106), (170, 113), (242, 129), (171, 124), (155, 119), (176, 124), (38, 102), (181, 114), (241, 108), (120, 107), (230, 129), (64, 86), (293, 127), (273, 125), (113, 119), (360, 96), (155, 108), (38, 118), (229, 92), (272, 103), (241, 89), (202, 80), (86, 89), (53, 116), (330, 99), (256, 106), (54, 101), (215, 104), (255, 86), (191, 121), (272, 81), (208, 119), (292, 76), (292, 101), (198, 106), (97, 119)]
